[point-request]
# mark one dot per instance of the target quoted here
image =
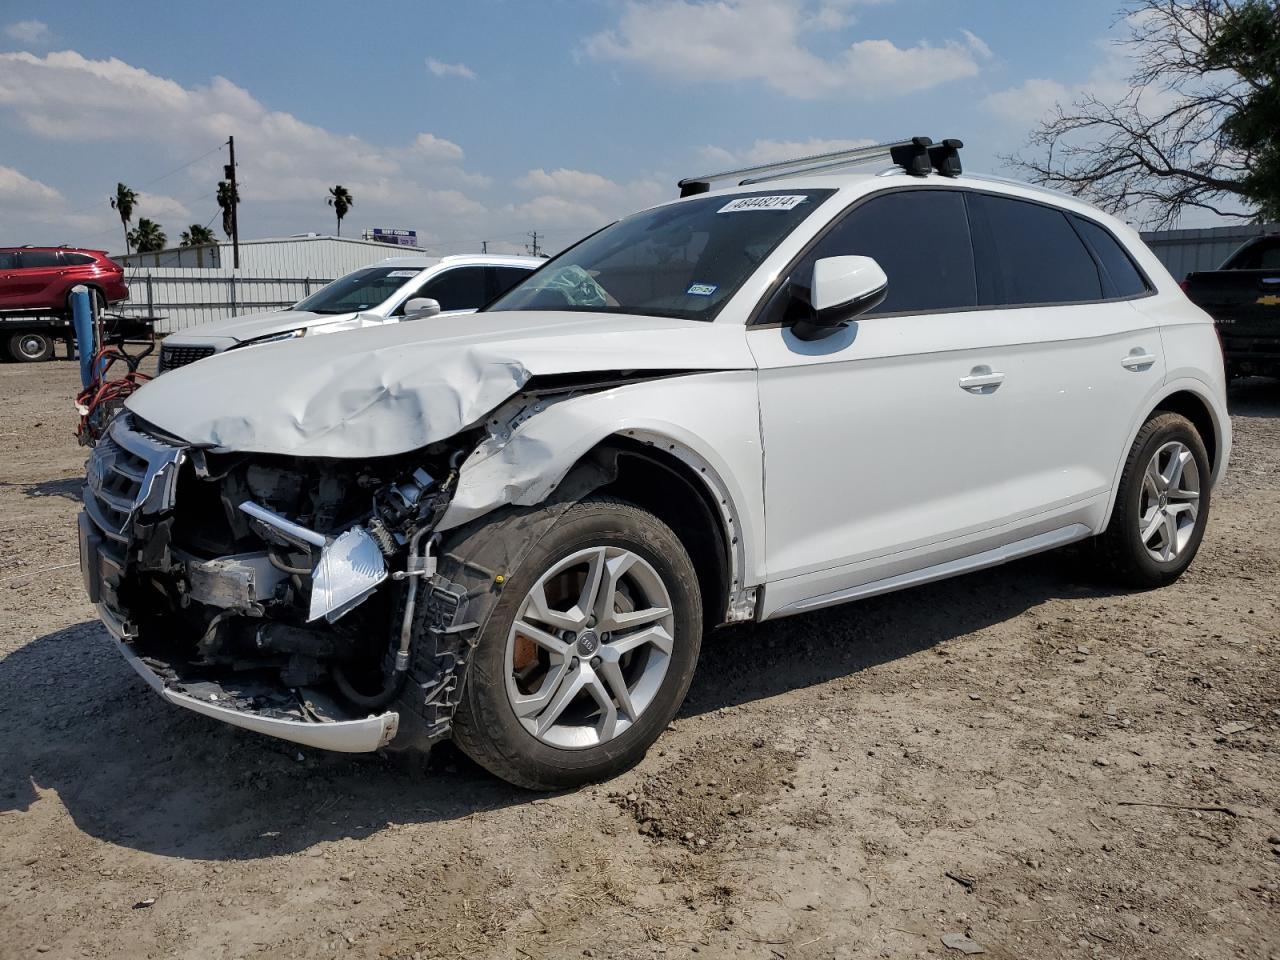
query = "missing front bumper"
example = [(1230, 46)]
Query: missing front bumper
[(363, 735)]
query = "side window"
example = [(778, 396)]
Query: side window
[(8, 260), (77, 259), (1028, 254), (502, 279), (30, 259), (1125, 280), (459, 289), (1259, 255), (920, 238)]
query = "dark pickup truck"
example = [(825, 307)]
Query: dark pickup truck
[(1243, 297)]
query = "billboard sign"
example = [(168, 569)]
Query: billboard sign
[(403, 238)]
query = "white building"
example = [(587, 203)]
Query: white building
[(187, 286)]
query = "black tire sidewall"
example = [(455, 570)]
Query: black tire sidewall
[(1134, 559), (15, 347), (486, 712)]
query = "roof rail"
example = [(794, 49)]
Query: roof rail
[(911, 154)]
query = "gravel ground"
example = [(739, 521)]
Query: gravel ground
[(1053, 768)]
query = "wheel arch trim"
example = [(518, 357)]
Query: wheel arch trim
[(1214, 408)]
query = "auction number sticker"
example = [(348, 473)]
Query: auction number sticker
[(403, 274), (702, 289), (764, 202)]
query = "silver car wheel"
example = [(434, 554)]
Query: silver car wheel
[(589, 647), (1170, 501)]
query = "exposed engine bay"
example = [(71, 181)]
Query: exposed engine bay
[(290, 587)]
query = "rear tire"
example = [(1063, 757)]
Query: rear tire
[(1162, 505), (550, 702), (30, 346)]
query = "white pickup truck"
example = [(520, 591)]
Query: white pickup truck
[(392, 290)]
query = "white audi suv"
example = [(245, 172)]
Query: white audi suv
[(514, 528)]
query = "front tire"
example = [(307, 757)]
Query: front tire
[(1162, 506), (588, 653)]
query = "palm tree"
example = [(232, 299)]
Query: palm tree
[(197, 236), (225, 202), (123, 203), (148, 237), (341, 201)]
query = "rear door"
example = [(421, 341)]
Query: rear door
[(37, 283), (1081, 359), (878, 440)]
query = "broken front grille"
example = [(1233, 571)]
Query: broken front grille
[(128, 470), (176, 356)]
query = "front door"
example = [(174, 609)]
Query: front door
[(887, 436)]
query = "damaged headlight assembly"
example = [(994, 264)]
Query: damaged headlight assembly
[(350, 567)]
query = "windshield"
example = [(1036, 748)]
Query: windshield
[(682, 260), (358, 291)]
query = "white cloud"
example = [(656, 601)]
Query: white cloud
[(28, 31), (759, 40), (1108, 80), (155, 206), (137, 125), (442, 69), (1029, 100), (578, 196), (18, 190), (430, 147)]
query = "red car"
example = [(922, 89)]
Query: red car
[(39, 279), (35, 289)]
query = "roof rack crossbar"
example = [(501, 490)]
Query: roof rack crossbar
[(809, 164)]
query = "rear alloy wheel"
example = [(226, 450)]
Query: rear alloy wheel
[(589, 652), (1162, 505), (30, 346)]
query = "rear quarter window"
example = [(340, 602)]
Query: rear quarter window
[(78, 259), (1122, 275)]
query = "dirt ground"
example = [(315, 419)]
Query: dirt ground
[(860, 782)]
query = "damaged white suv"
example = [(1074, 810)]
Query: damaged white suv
[(514, 528)]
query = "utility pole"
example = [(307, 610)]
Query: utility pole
[(230, 171), (484, 246), (533, 247)]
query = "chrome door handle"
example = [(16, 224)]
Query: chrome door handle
[(1138, 361), (980, 379)]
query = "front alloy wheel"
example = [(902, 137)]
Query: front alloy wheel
[(590, 648)]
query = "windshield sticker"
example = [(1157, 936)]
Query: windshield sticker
[(403, 274), (702, 289), (768, 202)]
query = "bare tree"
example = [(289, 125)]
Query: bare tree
[(1198, 128)]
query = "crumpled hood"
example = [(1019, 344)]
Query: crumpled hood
[(257, 324), (390, 389)]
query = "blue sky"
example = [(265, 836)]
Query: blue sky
[(490, 118)]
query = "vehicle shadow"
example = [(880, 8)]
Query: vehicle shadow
[(67, 487), (134, 771), (1254, 397)]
